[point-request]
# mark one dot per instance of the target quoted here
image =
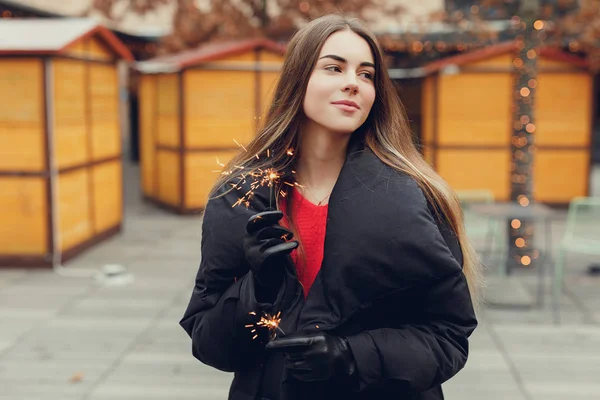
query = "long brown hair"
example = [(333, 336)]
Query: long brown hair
[(386, 130)]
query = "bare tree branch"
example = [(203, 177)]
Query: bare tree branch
[(234, 19)]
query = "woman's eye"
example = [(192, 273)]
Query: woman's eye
[(334, 68), (367, 75)]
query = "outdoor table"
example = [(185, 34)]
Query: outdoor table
[(536, 212)]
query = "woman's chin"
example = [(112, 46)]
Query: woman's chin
[(343, 129)]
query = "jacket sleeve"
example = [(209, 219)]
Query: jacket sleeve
[(223, 295), (431, 350)]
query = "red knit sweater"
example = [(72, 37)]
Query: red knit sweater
[(310, 221)]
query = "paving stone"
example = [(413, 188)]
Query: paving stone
[(80, 343), (19, 390), (9, 276), (198, 389), (534, 317), (563, 390), (565, 340), (469, 391), (578, 370), (507, 292), (117, 308), (481, 380), (13, 329), (48, 371), (105, 325), (28, 298)]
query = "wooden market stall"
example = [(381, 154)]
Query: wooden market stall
[(468, 123), (60, 139), (194, 106)]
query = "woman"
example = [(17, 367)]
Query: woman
[(376, 290)]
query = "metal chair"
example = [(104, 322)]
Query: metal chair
[(478, 226), (582, 235)]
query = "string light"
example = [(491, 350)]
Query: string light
[(538, 25), (523, 200), (304, 7), (519, 155), (440, 46), (417, 46), (521, 231), (573, 46), (518, 63)]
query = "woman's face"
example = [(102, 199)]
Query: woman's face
[(341, 88)]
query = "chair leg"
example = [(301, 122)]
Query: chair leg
[(489, 243), (558, 280), (501, 248)]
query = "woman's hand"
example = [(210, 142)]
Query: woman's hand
[(266, 246), (316, 356)]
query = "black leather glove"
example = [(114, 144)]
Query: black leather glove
[(316, 357), (267, 246)]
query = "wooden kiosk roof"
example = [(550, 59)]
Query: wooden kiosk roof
[(51, 37), (500, 49), (206, 53)]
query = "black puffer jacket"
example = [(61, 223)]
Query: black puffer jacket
[(391, 282)]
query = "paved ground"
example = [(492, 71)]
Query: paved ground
[(71, 338)]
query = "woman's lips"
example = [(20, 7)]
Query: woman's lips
[(346, 107)]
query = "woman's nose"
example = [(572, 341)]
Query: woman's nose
[(350, 87)]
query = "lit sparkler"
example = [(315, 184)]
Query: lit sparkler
[(269, 177), (267, 321)]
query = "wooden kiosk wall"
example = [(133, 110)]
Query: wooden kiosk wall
[(467, 128), (191, 118), (59, 113)]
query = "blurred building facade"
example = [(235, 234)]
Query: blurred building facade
[(412, 42), (60, 135)]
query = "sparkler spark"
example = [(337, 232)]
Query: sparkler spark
[(269, 177), (271, 322), (240, 145)]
